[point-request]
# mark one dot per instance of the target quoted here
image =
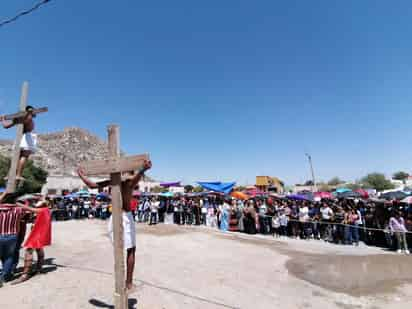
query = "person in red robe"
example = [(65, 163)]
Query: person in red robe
[(40, 237)]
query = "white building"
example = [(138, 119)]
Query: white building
[(58, 184)]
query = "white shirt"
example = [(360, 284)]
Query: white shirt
[(303, 214), (326, 213), (155, 206)]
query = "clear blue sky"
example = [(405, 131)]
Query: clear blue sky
[(223, 90)]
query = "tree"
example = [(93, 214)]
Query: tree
[(35, 177), (335, 181), (239, 188), (4, 170), (189, 188), (353, 186), (198, 189), (308, 183), (400, 176), (158, 189), (323, 187), (377, 181)]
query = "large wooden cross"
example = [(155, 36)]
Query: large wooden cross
[(11, 181), (115, 166)]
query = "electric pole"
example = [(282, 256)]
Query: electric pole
[(314, 188)]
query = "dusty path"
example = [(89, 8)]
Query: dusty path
[(194, 267)]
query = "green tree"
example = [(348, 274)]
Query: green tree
[(377, 181), (335, 181), (4, 170), (400, 176), (158, 189), (198, 189), (308, 183), (35, 177), (189, 188), (354, 186), (323, 187), (239, 188)]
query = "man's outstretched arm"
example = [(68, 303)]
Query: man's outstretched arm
[(146, 166), (87, 181), (7, 124)]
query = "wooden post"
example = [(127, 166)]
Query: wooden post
[(120, 296), (115, 165), (11, 182)]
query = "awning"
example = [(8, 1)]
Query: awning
[(221, 187)]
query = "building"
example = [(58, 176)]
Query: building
[(269, 184), (56, 185)]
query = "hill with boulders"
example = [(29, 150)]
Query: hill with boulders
[(59, 153)]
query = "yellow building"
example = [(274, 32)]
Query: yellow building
[(267, 183)]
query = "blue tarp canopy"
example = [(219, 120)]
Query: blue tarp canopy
[(343, 190), (221, 187), (167, 194)]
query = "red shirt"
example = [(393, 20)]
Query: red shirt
[(133, 204), (10, 220)]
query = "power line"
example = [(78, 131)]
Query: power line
[(25, 12)]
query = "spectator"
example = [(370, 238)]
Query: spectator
[(153, 211), (283, 220), (326, 218), (276, 225), (10, 217), (397, 226)]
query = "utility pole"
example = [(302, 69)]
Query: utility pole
[(314, 188)]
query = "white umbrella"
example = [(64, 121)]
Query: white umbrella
[(407, 200)]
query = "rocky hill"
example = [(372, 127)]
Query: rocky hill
[(60, 153)]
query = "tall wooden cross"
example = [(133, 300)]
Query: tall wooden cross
[(11, 181), (115, 166)]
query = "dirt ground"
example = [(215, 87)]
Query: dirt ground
[(196, 267)]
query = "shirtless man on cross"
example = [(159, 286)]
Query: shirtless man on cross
[(28, 144), (129, 183)]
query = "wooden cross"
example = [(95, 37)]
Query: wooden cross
[(114, 166), (11, 182)]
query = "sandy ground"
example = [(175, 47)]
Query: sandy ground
[(195, 267)]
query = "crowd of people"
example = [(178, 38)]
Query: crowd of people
[(340, 221)]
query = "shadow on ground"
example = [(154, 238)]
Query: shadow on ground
[(99, 304)]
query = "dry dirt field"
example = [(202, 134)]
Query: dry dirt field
[(195, 267)]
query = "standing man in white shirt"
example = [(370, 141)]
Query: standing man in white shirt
[(154, 208)]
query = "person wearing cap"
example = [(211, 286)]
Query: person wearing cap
[(28, 144), (129, 184)]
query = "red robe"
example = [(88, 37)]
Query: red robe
[(40, 235)]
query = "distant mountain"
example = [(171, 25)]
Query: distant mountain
[(60, 152)]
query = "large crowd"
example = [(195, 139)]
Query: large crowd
[(339, 221), (344, 221)]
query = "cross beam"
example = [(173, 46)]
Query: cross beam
[(113, 165), (23, 113)]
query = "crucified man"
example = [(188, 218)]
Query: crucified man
[(129, 183), (28, 144)]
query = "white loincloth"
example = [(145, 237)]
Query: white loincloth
[(129, 230), (29, 142)]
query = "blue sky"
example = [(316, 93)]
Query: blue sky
[(223, 90)]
